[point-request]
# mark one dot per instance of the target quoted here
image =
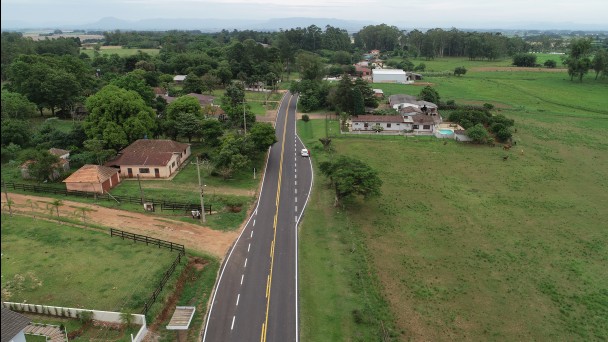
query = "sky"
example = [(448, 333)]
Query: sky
[(418, 13)]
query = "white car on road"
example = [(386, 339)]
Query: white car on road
[(304, 153)]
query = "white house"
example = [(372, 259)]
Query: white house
[(178, 79), (388, 76), (389, 123), (13, 325)]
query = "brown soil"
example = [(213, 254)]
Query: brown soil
[(191, 235), (423, 84), (482, 69)]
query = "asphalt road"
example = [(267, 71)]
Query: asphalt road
[(256, 296)]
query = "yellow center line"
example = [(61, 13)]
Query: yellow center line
[(276, 215)]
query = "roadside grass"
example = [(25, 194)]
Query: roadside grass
[(122, 52), (53, 263), (450, 63), (466, 245)]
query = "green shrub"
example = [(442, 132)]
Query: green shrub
[(305, 118)]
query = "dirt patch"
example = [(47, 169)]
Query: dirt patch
[(421, 84), (492, 69), (191, 235)]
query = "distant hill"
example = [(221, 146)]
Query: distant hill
[(205, 25)]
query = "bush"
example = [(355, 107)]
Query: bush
[(488, 106), (420, 67), (305, 118), (524, 60), (550, 63), (451, 103), (496, 127), (429, 94), (478, 134), (504, 135), (460, 71)]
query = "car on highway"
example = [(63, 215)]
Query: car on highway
[(305, 153)]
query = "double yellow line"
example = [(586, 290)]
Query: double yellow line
[(276, 215)]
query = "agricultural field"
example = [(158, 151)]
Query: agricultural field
[(463, 245)]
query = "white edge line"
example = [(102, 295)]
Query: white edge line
[(312, 178), (232, 326), (241, 234)]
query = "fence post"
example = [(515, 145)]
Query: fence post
[(123, 234), (146, 240)]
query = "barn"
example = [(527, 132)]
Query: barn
[(93, 178)]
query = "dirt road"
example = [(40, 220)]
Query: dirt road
[(191, 235)]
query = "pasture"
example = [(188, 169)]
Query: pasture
[(118, 50), (463, 245)]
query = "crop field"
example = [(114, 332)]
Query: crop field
[(462, 244), (55, 264)]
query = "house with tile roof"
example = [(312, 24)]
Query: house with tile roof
[(93, 178), (13, 325), (150, 158)]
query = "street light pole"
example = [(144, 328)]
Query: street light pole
[(200, 185)]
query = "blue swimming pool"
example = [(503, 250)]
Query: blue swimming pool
[(446, 131)]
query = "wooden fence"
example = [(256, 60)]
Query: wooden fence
[(154, 242), (164, 205)]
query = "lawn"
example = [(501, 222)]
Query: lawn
[(464, 245), (55, 264)]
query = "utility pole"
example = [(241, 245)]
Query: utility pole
[(200, 185), (141, 191)]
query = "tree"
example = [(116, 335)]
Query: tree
[(358, 104), (459, 71), (344, 95), (43, 165), (263, 136), (56, 204), (578, 60), (15, 132), (16, 106), (184, 105), (310, 66), (350, 177), (135, 81), (118, 116), (211, 130), (478, 134), (188, 125), (429, 94), (232, 155), (599, 63), (208, 83)]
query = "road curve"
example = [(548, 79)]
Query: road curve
[(256, 295)]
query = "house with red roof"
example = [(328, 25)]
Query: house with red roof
[(150, 158), (93, 178)]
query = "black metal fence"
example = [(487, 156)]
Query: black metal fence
[(154, 242), (164, 205)]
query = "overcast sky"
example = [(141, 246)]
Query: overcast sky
[(419, 13)]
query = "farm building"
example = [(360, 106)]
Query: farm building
[(93, 178), (151, 158), (388, 76), (179, 79)]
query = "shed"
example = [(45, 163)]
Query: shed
[(179, 78), (93, 178), (388, 76), (13, 325)]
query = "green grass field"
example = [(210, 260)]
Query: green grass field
[(55, 264), (122, 52), (463, 245)]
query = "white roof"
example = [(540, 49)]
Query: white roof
[(378, 91), (179, 77), (388, 71)]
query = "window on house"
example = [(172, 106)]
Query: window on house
[(398, 124), (366, 125), (173, 164), (426, 127), (388, 125), (144, 170), (416, 126)]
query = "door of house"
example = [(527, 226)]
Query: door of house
[(130, 172), (156, 173)]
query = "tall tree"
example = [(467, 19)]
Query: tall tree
[(578, 59), (118, 116), (16, 106), (600, 63)]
